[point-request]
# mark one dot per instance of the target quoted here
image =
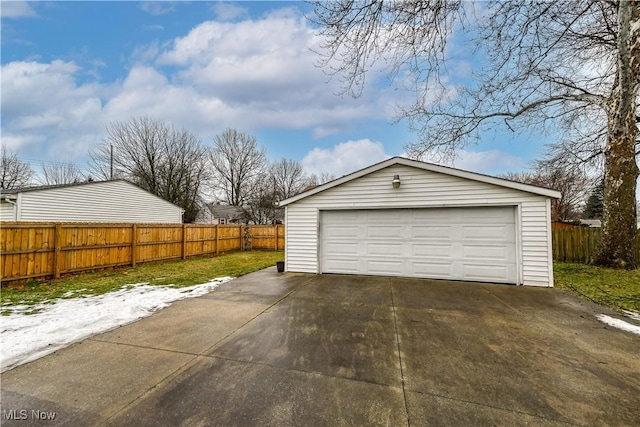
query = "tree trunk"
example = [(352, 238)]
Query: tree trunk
[(619, 223), (619, 226)]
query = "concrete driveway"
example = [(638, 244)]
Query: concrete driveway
[(306, 350)]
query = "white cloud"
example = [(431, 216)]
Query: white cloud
[(344, 158), (43, 102), (146, 91), (253, 74), (266, 66), (157, 8), (16, 141), (17, 9), (145, 54), (225, 11), (31, 87)]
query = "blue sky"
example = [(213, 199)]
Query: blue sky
[(69, 68)]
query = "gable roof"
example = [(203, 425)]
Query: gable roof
[(427, 167), (4, 193), (226, 211), (51, 186)]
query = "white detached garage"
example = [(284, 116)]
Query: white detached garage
[(408, 218), (98, 201)]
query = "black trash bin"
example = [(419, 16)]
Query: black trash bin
[(280, 266)]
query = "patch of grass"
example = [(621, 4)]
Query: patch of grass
[(180, 273), (617, 289)]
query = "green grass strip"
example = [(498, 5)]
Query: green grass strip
[(617, 289), (180, 273)]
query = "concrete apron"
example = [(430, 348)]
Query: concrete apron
[(293, 349)]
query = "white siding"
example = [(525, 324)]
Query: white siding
[(113, 201), (7, 211), (419, 188)]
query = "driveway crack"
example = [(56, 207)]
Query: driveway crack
[(395, 327)]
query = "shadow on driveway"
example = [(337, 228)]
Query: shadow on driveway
[(294, 349)]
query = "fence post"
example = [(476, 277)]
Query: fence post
[(134, 244), (184, 241), (241, 237), (277, 228), (217, 239), (57, 251)]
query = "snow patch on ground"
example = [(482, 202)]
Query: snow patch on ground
[(618, 323), (632, 314), (59, 323)]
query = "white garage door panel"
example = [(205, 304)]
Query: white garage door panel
[(475, 244), (422, 250), (343, 231), (342, 266), (384, 249), (498, 253), (382, 267), (500, 233), (483, 273), (432, 270), (383, 231), (431, 232)]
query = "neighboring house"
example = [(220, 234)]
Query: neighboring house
[(408, 218), (102, 201), (278, 216), (215, 213), (597, 223)]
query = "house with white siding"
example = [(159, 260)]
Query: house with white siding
[(101, 201), (215, 213), (408, 218)]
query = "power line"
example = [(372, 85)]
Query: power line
[(49, 162)]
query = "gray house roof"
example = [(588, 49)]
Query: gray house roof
[(47, 187), (18, 190), (15, 191), (227, 211)]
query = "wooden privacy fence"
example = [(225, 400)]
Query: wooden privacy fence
[(37, 250), (578, 244)]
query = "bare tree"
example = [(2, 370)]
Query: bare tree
[(168, 162), (14, 173), (323, 178), (238, 164), (573, 183), (262, 205), (60, 172), (553, 65), (288, 178)]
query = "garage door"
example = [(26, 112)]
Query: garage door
[(475, 244)]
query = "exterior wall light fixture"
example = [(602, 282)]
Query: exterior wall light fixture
[(396, 181)]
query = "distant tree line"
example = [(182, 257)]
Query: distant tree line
[(177, 166)]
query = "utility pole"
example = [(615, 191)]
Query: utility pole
[(111, 163)]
